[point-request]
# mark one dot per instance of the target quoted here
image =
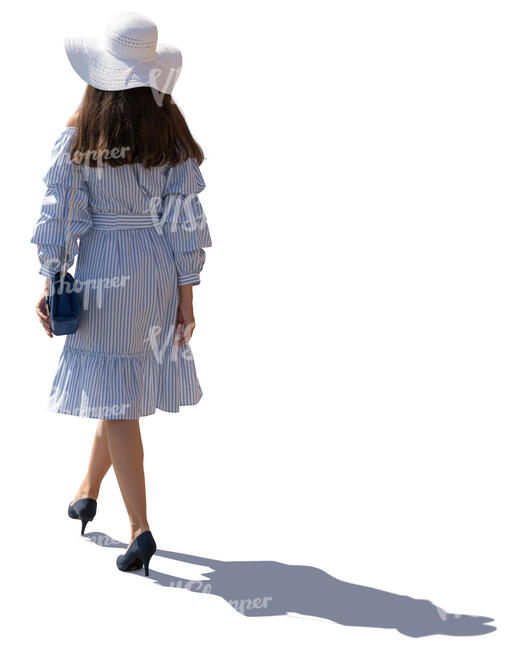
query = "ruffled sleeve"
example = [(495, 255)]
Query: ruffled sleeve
[(184, 221), (50, 231)]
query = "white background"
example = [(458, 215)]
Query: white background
[(353, 336)]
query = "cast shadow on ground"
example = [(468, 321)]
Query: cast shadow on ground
[(266, 588)]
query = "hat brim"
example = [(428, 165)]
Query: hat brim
[(103, 70)]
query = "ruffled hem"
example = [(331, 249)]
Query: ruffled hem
[(111, 386)]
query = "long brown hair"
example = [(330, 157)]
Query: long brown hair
[(121, 127)]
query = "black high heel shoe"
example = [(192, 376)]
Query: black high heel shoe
[(83, 509), (138, 554)]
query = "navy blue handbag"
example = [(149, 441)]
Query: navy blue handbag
[(62, 299)]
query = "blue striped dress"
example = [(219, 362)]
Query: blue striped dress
[(137, 234)]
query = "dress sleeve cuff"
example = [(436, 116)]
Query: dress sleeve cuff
[(192, 278), (46, 271)]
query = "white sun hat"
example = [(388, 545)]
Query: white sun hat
[(126, 56)]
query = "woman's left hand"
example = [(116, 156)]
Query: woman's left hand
[(42, 312)]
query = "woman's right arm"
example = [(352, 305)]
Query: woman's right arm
[(186, 227), (185, 315)]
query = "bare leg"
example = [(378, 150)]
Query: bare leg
[(126, 451), (99, 464)]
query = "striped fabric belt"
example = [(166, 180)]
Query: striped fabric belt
[(102, 221)]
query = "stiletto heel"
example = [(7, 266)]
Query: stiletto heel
[(83, 509), (138, 554)]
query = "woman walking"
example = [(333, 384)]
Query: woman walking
[(123, 183)]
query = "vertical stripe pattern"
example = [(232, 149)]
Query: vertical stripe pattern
[(137, 235)]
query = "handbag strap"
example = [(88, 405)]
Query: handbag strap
[(64, 262)]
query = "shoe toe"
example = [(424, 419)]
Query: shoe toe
[(123, 565)]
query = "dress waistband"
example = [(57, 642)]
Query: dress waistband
[(102, 221)]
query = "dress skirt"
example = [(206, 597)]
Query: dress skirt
[(123, 361)]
